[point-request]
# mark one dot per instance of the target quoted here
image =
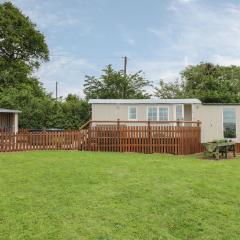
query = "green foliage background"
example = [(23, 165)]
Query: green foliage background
[(208, 82)]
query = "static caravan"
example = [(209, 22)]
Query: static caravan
[(218, 121)]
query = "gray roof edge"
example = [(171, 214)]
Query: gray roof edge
[(4, 110), (145, 101), (220, 103)]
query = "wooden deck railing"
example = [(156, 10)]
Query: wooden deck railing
[(112, 136), (145, 139), (142, 123)]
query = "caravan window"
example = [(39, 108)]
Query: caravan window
[(179, 112), (163, 114), (229, 123), (152, 114), (132, 113)]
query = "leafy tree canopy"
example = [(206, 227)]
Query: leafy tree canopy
[(115, 84), (205, 81), (19, 38)]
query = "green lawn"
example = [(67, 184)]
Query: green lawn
[(90, 195)]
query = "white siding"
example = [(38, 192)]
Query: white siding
[(112, 112), (211, 117)]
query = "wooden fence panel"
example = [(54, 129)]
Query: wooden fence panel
[(120, 138), (72, 140)]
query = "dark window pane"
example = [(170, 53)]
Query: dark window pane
[(229, 123)]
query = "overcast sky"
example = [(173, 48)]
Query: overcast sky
[(160, 37)]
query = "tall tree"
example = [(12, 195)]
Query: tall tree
[(22, 49), (115, 84), (207, 82), (22, 46), (20, 39)]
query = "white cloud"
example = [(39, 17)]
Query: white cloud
[(160, 69), (40, 14), (165, 34), (185, 1), (157, 32), (175, 4), (69, 71), (208, 34), (226, 60), (130, 41), (200, 33), (51, 20), (126, 35)]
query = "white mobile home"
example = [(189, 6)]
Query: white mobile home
[(218, 121)]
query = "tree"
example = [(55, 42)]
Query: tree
[(208, 82), (115, 84), (22, 49), (35, 104), (212, 83), (19, 38), (76, 112), (170, 90)]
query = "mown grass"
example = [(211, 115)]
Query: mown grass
[(91, 195)]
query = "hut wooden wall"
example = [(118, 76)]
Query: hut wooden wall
[(6, 122)]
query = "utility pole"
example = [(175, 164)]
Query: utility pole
[(125, 65), (56, 90)]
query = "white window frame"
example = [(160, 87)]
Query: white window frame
[(176, 112), (235, 122), (132, 119), (159, 113), (148, 112)]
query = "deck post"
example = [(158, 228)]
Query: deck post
[(198, 123), (118, 135), (89, 137), (118, 123), (149, 138), (178, 123)]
